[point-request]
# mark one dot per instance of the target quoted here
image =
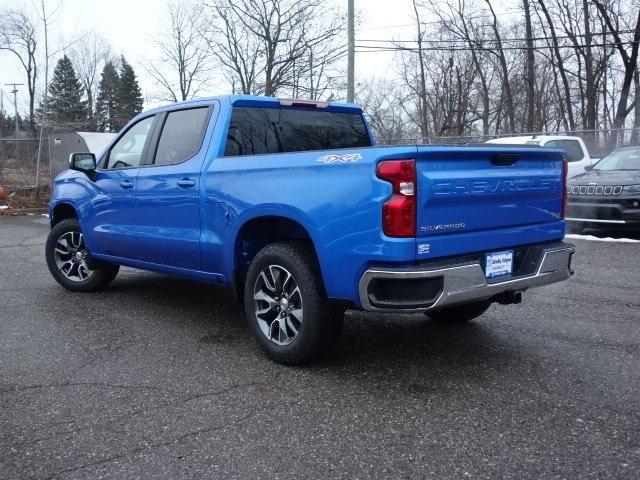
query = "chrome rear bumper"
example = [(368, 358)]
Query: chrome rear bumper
[(466, 282)]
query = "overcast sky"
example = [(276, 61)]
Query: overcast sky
[(129, 25)]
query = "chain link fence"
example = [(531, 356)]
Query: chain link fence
[(18, 162), (18, 156), (598, 142)]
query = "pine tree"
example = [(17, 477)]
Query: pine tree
[(65, 107), (107, 102), (129, 96)]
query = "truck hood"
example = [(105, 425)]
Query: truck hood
[(607, 177)]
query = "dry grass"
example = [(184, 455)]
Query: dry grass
[(17, 179), (23, 201)]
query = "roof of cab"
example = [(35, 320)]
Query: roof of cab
[(255, 101)]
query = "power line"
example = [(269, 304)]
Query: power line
[(458, 40), (374, 48), (438, 22)]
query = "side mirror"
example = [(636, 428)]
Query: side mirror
[(83, 162)]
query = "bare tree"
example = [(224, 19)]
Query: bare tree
[(500, 53), (237, 50), (628, 56), (381, 100), (590, 74), (19, 35), (422, 87), (455, 21), (267, 46), (635, 133), (317, 75), (88, 55), (560, 65), (183, 67), (529, 69)]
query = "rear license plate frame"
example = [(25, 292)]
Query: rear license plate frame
[(498, 264)]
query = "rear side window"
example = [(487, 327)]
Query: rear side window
[(181, 135), (255, 131), (571, 148)]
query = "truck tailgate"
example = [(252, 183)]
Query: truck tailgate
[(478, 198)]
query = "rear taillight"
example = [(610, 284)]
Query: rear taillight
[(399, 212), (565, 193)]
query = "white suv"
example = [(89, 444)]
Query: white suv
[(575, 150)]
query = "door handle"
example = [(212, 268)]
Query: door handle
[(185, 183), (126, 184), (505, 159)]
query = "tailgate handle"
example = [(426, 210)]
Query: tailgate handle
[(505, 159)]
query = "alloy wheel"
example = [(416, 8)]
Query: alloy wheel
[(70, 254), (278, 304)]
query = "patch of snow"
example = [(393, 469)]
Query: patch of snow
[(4, 207), (45, 215), (601, 239)]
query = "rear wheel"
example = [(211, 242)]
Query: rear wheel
[(459, 314), (69, 260), (286, 306)]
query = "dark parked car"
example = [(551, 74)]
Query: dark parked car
[(608, 194)]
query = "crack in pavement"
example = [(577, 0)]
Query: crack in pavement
[(87, 384), (176, 440), (105, 425), (148, 448)]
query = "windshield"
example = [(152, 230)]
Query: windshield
[(625, 159)]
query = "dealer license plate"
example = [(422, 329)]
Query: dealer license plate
[(499, 263)]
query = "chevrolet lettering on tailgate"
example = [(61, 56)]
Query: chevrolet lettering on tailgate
[(473, 187)]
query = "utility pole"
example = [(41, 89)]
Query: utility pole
[(350, 51), (15, 101), (45, 24)]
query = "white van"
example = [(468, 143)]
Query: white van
[(574, 148)]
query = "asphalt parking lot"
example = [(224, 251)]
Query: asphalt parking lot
[(159, 378)]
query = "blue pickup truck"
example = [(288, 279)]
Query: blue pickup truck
[(292, 205)]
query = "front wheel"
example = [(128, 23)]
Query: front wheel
[(286, 307), (459, 314), (69, 260)]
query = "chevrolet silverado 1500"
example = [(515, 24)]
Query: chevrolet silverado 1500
[(292, 205)]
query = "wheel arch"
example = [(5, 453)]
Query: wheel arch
[(261, 230), (62, 211)]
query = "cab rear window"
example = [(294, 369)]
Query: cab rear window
[(255, 131)]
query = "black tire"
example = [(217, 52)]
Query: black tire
[(460, 314), (576, 227), (100, 275), (321, 323)]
